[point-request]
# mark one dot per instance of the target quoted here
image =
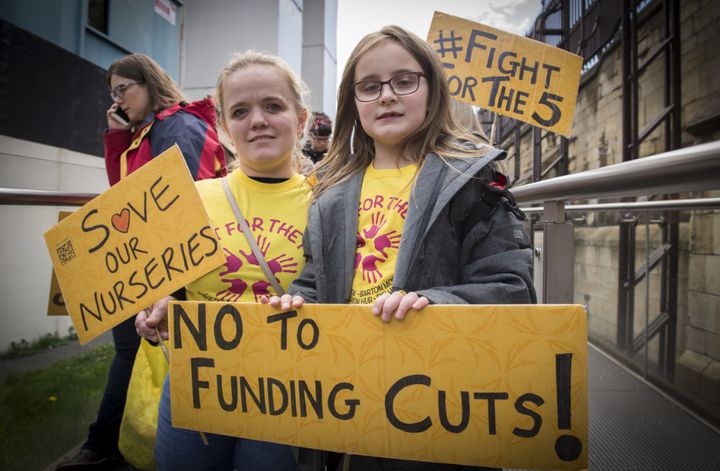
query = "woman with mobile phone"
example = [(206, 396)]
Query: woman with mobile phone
[(148, 116)]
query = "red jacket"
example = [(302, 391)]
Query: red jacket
[(191, 126)]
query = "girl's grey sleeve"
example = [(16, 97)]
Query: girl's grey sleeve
[(496, 263), (306, 284)]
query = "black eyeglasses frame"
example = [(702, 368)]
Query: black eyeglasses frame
[(388, 83)]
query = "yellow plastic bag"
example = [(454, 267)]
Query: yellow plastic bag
[(140, 418)]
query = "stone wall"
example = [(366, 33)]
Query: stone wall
[(596, 281), (596, 141)]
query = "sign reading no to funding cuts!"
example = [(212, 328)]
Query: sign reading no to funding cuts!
[(142, 239), (512, 75), (501, 386)]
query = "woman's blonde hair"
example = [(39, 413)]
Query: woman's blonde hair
[(296, 85), (352, 150), (162, 90)]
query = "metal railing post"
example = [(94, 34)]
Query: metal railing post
[(555, 256), (626, 287)]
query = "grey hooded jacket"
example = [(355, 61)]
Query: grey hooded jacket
[(456, 247)]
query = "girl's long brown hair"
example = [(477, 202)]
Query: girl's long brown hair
[(352, 150)]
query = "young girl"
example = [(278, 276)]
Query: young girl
[(263, 111), (409, 209)]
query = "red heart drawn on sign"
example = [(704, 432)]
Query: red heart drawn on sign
[(121, 221)]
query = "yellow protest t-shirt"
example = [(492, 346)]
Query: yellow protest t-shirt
[(381, 215), (276, 214)]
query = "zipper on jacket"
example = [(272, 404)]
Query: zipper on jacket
[(321, 279), (422, 228)]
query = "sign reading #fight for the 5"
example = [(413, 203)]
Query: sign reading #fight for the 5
[(512, 75), (502, 386), (142, 239)]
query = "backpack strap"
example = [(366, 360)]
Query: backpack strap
[(251, 241), (491, 199)]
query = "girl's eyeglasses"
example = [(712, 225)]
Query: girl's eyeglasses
[(403, 84), (118, 92)]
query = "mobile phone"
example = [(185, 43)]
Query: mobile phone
[(121, 117)]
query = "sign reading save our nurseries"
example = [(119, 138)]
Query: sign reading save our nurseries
[(142, 239), (502, 386), (512, 75)]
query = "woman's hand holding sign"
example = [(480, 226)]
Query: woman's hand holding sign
[(398, 304), (284, 302), (153, 320), (387, 306)]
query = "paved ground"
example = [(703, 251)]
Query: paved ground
[(635, 427), (113, 467)]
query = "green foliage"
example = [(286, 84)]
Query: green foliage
[(46, 412)]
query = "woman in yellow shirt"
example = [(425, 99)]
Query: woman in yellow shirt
[(263, 111)]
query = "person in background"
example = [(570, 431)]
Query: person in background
[(158, 117), (318, 137), (148, 116), (262, 109), (444, 230), (466, 117)]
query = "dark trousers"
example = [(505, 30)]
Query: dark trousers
[(103, 434)]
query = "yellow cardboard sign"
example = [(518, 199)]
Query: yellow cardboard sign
[(56, 304), (502, 386), (142, 239), (512, 75)]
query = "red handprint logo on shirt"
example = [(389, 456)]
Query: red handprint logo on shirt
[(360, 244), (389, 240), (232, 263), (237, 285), (369, 257), (283, 263), (377, 221), (370, 272), (260, 288), (234, 292)]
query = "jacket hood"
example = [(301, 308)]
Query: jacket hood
[(203, 109)]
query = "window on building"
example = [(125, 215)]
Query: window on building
[(98, 14)]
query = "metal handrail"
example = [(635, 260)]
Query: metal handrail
[(14, 196), (695, 168), (663, 205), (17, 196)]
